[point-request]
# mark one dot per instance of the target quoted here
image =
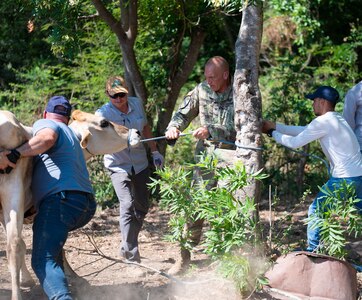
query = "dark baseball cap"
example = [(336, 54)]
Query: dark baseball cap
[(59, 105), (326, 92)]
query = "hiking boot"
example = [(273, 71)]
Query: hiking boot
[(182, 264)]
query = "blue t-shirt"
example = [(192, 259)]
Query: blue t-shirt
[(62, 167)]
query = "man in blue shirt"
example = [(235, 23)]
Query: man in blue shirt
[(62, 193)]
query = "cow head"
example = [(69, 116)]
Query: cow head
[(99, 136)]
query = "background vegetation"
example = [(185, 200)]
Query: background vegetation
[(64, 47)]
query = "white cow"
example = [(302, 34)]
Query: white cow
[(96, 135)]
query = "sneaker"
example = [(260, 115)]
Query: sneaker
[(131, 261), (128, 257), (358, 268)]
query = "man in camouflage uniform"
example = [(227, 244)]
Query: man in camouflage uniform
[(212, 100)]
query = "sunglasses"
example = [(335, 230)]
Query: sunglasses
[(118, 95)]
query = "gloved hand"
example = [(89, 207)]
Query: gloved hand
[(13, 157), (157, 159)]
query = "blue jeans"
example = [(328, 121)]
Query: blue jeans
[(313, 235), (58, 214)]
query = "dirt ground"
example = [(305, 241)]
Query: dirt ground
[(93, 254)]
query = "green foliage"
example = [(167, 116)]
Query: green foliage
[(300, 13), (175, 188), (337, 217), (231, 220), (299, 62), (102, 185), (236, 268), (232, 223), (63, 23), (284, 235), (91, 68), (19, 46), (230, 6), (245, 272), (28, 97), (182, 152), (82, 81)]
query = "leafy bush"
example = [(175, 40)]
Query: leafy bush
[(182, 152), (232, 222), (239, 267), (337, 218), (101, 182)]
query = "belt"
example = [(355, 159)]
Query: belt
[(63, 194)]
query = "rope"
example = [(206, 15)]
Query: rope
[(161, 137), (309, 154), (238, 145)]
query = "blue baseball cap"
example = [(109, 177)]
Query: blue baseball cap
[(326, 92), (59, 105)]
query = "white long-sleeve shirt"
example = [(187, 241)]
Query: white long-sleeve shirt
[(352, 110), (336, 137)]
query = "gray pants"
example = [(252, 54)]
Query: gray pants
[(132, 193)]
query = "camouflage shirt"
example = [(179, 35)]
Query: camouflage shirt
[(216, 112)]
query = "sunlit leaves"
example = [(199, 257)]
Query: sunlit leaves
[(337, 218), (231, 220)]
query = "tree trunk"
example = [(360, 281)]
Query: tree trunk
[(247, 95), (301, 171), (175, 83), (126, 32)]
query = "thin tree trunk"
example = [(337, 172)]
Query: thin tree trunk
[(247, 97), (180, 67), (126, 32), (301, 171), (176, 82)]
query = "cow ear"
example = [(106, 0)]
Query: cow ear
[(85, 138), (75, 114), (78, 115)]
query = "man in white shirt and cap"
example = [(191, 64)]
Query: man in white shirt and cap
[(338, 143)]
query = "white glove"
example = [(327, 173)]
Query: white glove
[(157, 159)]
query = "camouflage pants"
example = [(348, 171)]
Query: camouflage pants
[(225, 157)]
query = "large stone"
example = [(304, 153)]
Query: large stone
[(313, 276)]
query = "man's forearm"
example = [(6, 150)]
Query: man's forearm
[(39, 143)]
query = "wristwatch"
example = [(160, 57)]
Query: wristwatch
[(270, 132)]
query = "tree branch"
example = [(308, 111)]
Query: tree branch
[(108, 18)]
